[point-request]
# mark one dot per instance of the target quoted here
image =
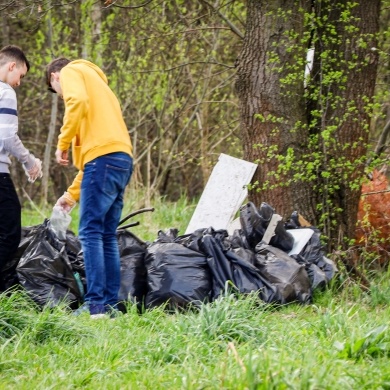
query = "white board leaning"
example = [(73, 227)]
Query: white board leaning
[(223, 195)]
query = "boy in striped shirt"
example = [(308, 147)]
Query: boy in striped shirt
[(13, 67)]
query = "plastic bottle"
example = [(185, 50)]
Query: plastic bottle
[(59, 222)]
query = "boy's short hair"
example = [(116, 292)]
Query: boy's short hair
[(55, 66), (13, 53)]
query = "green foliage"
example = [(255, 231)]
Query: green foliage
[(165, 73), (171, 64), (375, 343), (332, 158)]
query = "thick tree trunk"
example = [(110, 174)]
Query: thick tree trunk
[(275, 116), (344, 106), (270, 111)]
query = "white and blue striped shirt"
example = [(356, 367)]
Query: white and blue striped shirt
[(10, 143)]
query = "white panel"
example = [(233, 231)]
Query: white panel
[(301, 238), (223, 195)]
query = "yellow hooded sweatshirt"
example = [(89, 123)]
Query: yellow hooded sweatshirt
[(93, 120)]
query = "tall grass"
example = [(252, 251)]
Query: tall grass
[(232, 343), (341, 341)]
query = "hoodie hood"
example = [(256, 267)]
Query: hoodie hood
[(92, 67)]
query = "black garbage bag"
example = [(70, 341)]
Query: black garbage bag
[(254, 223), (293, 221), (45, 271), (319, 268), (177, 276), (245, 254), (74, 251), (132, 252), (239, 245), (239, 240), (282, 238), (171, 235), (316, 275), (8, 275), (290, 278), (190, 240), (226, 265)]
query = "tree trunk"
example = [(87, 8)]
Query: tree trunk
[(268, 111), (276, 116), (353, 58)]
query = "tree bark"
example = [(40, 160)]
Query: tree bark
[(353, 57), (261, 91), (275, 116)]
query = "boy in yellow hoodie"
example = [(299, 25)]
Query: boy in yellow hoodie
[(102, 151)]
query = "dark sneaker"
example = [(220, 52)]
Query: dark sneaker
[(96, 309)]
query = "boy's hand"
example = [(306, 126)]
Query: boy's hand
[(62, 157), (35, 172), (66, 202)]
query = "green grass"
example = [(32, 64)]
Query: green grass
[(341, 341), (232, 343)]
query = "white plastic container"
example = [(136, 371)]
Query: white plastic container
[(59, 222)]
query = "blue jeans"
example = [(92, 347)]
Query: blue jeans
[(101, 202)]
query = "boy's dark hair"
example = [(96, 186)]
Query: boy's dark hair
[(14, 53), (55, 66)]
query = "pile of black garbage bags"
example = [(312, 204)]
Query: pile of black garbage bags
[(179, 271)]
